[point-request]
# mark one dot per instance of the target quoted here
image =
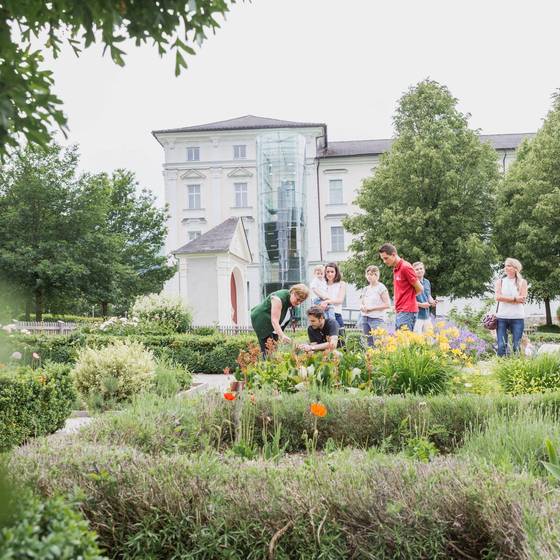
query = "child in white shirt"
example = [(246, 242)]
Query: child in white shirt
[(319, 289)]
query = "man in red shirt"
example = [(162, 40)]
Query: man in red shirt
[(405, 287)]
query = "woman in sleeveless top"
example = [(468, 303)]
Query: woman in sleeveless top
[(336, 289), (511, 293)]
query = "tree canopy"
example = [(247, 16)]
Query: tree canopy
[(432, 195), (28, 106), (528, 216), (67, 237)]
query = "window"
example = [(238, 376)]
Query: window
[(193, 197), (240, 195), (193, 154), (337, 239), (194, 235), (335, 191), (240, 152)]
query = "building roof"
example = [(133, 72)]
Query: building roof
[(375, 147), (246, 122), (216, 240)]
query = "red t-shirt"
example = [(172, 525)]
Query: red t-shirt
[(405, 295)]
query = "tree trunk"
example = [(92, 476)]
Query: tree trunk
[(104, 308), (38, 305), (547, 312)]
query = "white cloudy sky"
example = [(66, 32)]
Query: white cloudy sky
[(342, 62)]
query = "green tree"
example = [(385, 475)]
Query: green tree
[(132, 262), (528, 216), (67, 238), (46, 212), (28, 107), (432, 195)]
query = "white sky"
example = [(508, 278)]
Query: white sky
[(345, 63)]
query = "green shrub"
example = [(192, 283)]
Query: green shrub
[(167, 311), (520, 375), (201, 354), (514, 440), (33, 402), (45, 529), (113, 374), (170, 378), (343, 505)]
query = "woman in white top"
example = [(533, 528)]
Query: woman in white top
[(336, 289), (374, 303), (511, 293)]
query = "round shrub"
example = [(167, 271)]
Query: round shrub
[(115, 373), (167, 311), (47, 529)]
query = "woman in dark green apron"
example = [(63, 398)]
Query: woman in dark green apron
[(267, 316)]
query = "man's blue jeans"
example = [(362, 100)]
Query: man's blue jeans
[(515, 326), (405, 319)]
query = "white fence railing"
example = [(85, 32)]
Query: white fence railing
[(45, 327)]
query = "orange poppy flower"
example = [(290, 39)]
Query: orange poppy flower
[(229, 396), (318, 409)]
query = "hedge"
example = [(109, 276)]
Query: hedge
[(33, 402), (49, 528), (198, 353), (342, 505), (165, 426)]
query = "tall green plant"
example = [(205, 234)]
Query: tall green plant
[(432, 194)]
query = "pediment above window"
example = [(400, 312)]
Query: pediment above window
[(192, 174), (240, 172)]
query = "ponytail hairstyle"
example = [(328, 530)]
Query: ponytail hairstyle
[(518, 268)]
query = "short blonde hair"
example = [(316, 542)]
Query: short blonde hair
[(319, 267), (301, 291), (372, 268)]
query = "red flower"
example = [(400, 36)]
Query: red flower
[(229, 396)]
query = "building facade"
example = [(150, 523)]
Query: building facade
[(289, 187)]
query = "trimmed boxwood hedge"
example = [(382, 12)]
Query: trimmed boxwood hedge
[(33, 402), (198, 353)]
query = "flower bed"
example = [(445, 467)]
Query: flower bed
[(400, 362)]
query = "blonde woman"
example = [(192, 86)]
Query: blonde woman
[(374, 303), (511, 293), (267, 316)]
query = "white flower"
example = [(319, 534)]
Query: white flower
[(468, 384), (353, 390), (300, 387), (25, 331), (35, 356), (355, 373), (311, 369), (303, 372), (16, 356)]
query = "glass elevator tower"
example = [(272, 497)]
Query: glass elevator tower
[(282, 210)]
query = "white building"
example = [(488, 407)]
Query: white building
[(289, 189)]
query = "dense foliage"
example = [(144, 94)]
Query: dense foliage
[(46, 528), (344, 505), (113, 374), (81, 239), (28, 105), (432, 195), (33, 402), (528, 217)]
